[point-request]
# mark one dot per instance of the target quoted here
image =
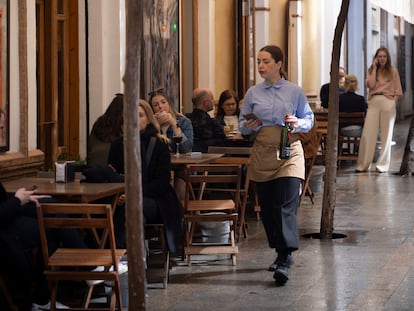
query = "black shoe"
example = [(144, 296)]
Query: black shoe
[(281, 274), (289, 262)]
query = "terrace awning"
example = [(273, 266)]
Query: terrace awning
[(403, 8)]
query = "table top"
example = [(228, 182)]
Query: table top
[(231, 150), (80, 191), (193, 158)]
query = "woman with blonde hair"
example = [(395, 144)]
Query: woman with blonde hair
[(172, 123), (351, 102), (160, 203), (383, 82)]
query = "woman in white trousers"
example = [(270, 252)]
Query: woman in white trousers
[(383, 82)]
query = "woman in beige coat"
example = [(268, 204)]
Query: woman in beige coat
[(384, 86)]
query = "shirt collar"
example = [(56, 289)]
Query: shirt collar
[(276, 85)]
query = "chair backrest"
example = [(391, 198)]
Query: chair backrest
[(234, 155), (354, 118), (244, 162), (311, 141), (75, 216), (214, 176)]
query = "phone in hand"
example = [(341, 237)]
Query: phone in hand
[(250, 116)]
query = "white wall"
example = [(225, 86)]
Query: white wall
[(206, 46), (105, 71), (356, 59), (261, 35)]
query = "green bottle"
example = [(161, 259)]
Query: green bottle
[(285, 141)]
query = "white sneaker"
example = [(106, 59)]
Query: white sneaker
[(122, 268), (95, 282), (36, 307)]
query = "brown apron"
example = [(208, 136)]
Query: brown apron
[(265, 162)]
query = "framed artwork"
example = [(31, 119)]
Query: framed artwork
[(4, 75)]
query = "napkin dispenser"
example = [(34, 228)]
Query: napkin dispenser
[(65, 171)]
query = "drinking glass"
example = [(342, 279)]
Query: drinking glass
[(177, 140)]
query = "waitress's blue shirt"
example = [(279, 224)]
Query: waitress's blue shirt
[(271, 102)]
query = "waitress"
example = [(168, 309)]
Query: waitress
[(274, 102)]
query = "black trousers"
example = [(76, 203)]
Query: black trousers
[(279, 200), (151, 216)]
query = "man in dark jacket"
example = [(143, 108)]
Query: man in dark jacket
[(324, 93), (207, 130)]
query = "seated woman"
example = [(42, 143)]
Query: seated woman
[(160, 203), (228, 112), (106, 129), (172, 123), (351, 102)]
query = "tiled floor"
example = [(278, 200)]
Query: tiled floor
[(371, 269)]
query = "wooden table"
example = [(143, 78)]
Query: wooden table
[(72, 191), (81, 192), (193, 158), (231, 150)]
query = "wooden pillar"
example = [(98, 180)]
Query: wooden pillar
[(23, 145), (134, 198)]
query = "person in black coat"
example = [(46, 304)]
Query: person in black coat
[(324, 92), (19, 232), (207, 130), (160, 203), (351, 102)]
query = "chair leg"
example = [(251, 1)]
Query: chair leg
[(117, 295), (166, 269), (7, 296), (112, 301), (232, 238), (88, 296), (256, 203), (242, 223), (233, 259), (305, 188), (53, 286)]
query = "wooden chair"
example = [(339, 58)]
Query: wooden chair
[(244, 191), (350, 142), (238, 155), (216, 208), (311, 143), (239, 152), (72, 264)]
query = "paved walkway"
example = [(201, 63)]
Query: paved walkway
[(371, 269)]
